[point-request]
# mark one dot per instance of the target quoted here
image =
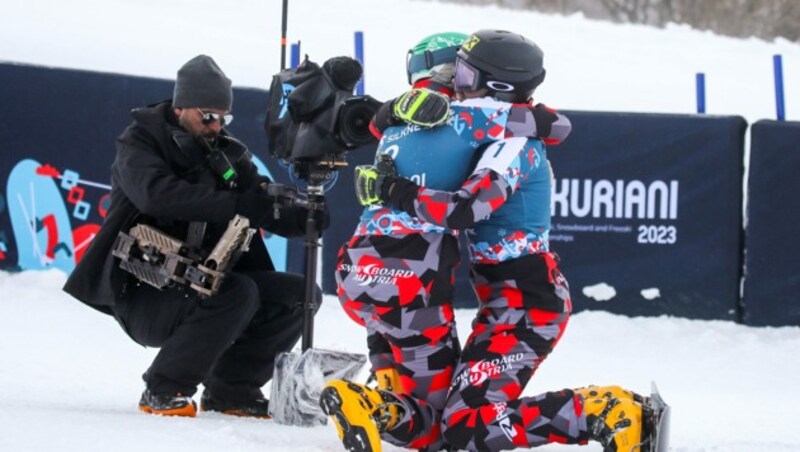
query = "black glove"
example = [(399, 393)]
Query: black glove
[(284, 194), (321, 217), (256, 205), (387, 171)]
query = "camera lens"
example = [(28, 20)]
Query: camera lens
[(354, 117)]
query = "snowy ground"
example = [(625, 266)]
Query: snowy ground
[(70, 379)]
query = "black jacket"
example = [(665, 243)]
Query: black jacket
[(161, 176)]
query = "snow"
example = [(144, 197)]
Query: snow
[(70, 378), (600, 291), (651, 293)]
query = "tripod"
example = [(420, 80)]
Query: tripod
[(315, 201), (299, 378)]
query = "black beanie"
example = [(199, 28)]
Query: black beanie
[(202, 84)]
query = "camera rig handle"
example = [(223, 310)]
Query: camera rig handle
[(161, 261)]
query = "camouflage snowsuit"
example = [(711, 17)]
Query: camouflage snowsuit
[(396, 277)]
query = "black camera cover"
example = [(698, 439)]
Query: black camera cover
[(307, 108), (280, 126)]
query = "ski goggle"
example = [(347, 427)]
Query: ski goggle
[(469, 78), (465, 77), (428, 60), (208, 118)]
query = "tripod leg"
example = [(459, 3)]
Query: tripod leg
[(312, 248)]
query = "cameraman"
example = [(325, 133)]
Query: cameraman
[(179, 171)]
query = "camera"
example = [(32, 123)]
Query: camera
[(353, 121), (313, 118)]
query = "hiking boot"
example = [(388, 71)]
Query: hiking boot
[(175, 404), (360, 413), (608, 392), (615, 423), (255, 407)]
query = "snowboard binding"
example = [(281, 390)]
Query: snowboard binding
[(656, 421)]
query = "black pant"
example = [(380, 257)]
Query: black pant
[(228, 342)]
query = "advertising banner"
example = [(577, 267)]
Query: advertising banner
[(646, 213)]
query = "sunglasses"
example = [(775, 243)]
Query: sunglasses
[(223, 119)]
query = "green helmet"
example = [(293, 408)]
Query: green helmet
[(432, 53)]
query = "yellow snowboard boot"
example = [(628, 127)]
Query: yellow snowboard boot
[(360, 413), (615, 423), (616, 392), (388, 380)]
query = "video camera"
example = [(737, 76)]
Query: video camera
[(313, 118)]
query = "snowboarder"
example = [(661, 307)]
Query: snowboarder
[(524, 297), (396, 274)]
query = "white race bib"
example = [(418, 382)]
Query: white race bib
[(500, 154)]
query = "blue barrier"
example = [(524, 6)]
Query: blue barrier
[(700, 83), (295, 55), (777, 68), (359, 51), (771, 293), (663, 227), (668, 240), (647, 213)]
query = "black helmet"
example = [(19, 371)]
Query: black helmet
[(505, 63)]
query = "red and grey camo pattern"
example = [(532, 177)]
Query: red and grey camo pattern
[(401, 289), (525, 306)]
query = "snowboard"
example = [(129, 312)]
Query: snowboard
[(656, 414), (298, 381)]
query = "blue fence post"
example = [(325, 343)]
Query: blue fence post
[(359, 37), (295, 55), (777, 65), (700, 83)]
